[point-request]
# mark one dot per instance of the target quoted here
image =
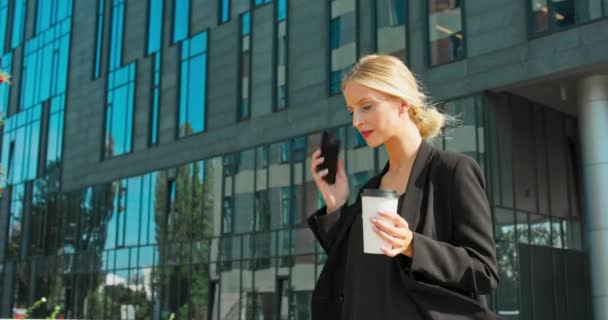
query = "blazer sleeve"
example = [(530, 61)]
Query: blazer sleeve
[(468, 263), (324, 226)]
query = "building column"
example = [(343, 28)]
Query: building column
[(593, 124)]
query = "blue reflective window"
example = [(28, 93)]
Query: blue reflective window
[(118, 11), (20, 144), (181, 20), (261, 2), (50, 13), (224, 14), (155, 99), (155, 25), (99, 39), (245, 24), (43, 82), (19, 13), (55, 132), (6, 62), (282, 10), (119, 111), (192, 102), (118, 134), (3, 23), (15, 229)]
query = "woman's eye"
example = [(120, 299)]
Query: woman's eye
[(367, 107)]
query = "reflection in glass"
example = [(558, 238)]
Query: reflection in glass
[(181, 20), (6, 62), (3, 27), (244, 110), (281, 56), (155, 25), (391, 27), (99, 38), (446, 35), (19, 14), (193, 86), (224, 11), (342, 39)]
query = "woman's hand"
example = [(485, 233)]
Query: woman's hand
[(335, 195), (395, 231)]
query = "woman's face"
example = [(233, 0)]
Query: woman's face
[(377, 116)]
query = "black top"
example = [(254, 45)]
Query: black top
[(454, 261)]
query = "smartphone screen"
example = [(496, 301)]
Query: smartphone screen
[(330, 147)]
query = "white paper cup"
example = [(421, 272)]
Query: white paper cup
[(374, 200)]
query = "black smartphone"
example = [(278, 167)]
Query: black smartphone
[(330, 147)]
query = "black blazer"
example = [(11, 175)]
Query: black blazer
[(454, 261)]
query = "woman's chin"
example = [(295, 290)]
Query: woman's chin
[(373, 144)]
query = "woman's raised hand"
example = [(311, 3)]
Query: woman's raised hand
[(335, 195)]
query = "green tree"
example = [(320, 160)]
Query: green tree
[(181, 233)]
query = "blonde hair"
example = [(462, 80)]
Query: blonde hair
[(390, 76)]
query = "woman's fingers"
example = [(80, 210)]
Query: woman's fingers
[(394, 242), (389, 229), (394, 218)]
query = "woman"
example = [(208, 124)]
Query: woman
[(440, 257)]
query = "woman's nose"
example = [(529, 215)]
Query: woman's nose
[(357, 119)]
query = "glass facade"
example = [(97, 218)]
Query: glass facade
[(224, 11), (224, 237), (153, 140), (244, 102), (155, 36), (391, 27), (342, 40), (6, 62), (155, 25), (99, 38), (3, 24), (181, 20), (553, 15), (193, 85), (445, 31), (120, 98), (19, 14), (536, 211), (281, 47)]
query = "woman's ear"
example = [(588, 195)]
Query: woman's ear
[(404, 107)]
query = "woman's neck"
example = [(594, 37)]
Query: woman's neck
[(402, 152)]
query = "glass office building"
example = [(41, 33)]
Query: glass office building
[(156, 153)]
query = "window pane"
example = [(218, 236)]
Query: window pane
[(391, 27), (343, 40), (181, 20), (192, 103), (224, 11), (446, 36), (155, 25)]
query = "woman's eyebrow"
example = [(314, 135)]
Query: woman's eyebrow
[(358, 102)]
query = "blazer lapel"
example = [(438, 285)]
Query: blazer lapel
[(411, 201)]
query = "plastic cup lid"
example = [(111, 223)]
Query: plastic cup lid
[(383, 193)]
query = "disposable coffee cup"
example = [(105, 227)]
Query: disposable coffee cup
[(374, 200)]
